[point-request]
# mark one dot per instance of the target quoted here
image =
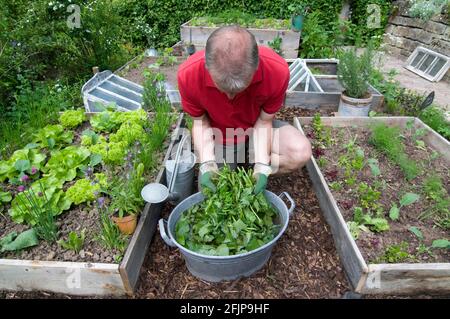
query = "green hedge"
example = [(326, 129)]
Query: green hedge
[(165, 17)]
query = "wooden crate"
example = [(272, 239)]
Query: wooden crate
[(403, 278), (84, 278), (330, 98), (198, 35)]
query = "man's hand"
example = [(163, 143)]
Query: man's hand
[(207, 171), (261, 173)]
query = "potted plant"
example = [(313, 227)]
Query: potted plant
[(353, 73), (126, 201), (298, 12)]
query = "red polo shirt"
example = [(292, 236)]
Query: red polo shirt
[(267, 90)]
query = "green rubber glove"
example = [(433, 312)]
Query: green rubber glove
[(261, 183), (207, 172), (206, 181), (261, 174)]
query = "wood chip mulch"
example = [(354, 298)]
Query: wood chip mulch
[(304, 262)]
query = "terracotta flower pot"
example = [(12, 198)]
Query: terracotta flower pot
[(126, 224)]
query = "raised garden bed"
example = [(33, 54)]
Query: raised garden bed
[(93, 270), (395, 205), (198, 34)]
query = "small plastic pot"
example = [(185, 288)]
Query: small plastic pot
[(126, 224), (297, 22)]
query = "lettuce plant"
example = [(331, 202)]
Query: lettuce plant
[(53, 136), (84, 190), (64, 163), (22, 161), (72, 118), (129, 132), (112, 153)]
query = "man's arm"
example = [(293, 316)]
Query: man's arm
[(262, 138), (202, 134)]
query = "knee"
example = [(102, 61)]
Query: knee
[(299, 153)]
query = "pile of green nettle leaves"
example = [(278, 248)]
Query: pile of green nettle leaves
[(231, 220)]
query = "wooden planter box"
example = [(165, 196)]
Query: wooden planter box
[(84, 278), (198, 35), (402, 278), (330, 85)]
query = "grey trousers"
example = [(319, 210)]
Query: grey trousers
[(239, 154)]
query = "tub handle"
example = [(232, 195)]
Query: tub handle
[(290, 209), (162, 231)]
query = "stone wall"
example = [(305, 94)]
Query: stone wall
[(404, 34)]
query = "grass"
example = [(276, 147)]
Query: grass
[(387, 139), (33, 109)]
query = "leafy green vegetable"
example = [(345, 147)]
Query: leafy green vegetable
[(416, 231), (74, 242), (22, 161), (21, 207), (373, 164), (72, 118), (408, 199), (106, 121), (89, 138), (84, 189), (394, 212), (13, 242), (5, 197), (230, 221), (395, 254), (441, 243), (64, 163), (128, 132), (53, 136), (111, 153)]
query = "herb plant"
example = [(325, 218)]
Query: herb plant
[(387, 139), (231, 221), (354, 72)]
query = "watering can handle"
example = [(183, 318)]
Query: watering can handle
[(177, 160), (290, 209), (162, 231)]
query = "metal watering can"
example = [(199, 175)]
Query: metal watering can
[(179, 174)]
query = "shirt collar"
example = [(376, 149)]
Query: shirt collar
[(257, 77)]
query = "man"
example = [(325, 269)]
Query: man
[(234, 84)]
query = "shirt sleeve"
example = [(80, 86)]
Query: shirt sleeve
[(275, 102), (188, 101)]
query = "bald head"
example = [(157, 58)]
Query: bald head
[(231, 58)]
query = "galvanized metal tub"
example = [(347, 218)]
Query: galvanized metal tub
[(219, 268)]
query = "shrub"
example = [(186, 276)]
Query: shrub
[(354, 71), (434, 117)]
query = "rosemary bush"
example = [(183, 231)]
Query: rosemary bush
[(355, 71)]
